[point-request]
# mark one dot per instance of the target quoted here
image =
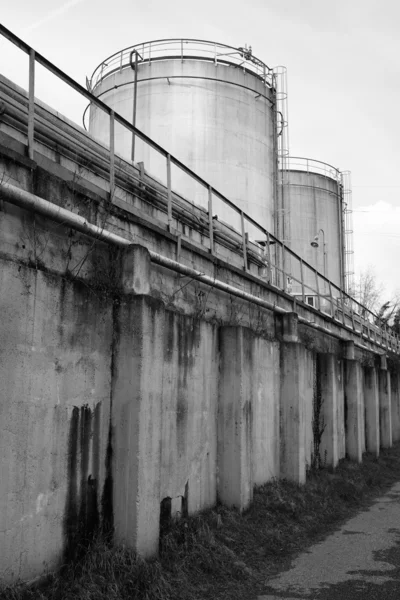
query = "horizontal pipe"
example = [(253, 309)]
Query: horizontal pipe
[(216, 283), (29, 201)]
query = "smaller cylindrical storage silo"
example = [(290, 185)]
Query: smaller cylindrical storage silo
[(312, 225)]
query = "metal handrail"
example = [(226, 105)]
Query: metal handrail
[(311, 165), (182, 48), (344, 303)]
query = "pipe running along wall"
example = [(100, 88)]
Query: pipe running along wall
[(32, 202)]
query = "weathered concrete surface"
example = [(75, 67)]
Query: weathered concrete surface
[(354, 409), (248, 416), (297, 394), (395, 405), (340, 409), (360, 561), (327, 365), (54, 416), (385, 409), (266, 411), (82, 331), (164, 418), (371, 401)]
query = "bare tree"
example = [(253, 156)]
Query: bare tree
[(368, 290)]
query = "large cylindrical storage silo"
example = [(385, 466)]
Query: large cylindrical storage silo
[(211, 106), (313, 221)]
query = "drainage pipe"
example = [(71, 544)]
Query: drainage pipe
[(31, 202)]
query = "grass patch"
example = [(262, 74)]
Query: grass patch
[(221, 554)]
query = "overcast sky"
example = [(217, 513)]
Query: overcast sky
[(343, 62)]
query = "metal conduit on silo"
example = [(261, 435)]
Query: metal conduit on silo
[(211, 105), (313, 227)]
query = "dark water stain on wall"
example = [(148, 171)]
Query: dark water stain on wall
[(88, 510), (169, 336), (71, 507), (318, 424), (185, 364), (81, 516), (96, 441), (107, 496)]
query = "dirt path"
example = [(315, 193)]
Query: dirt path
[(360, 561)]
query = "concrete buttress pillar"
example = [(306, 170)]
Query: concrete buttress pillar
[(136, 411), (385, 411), (296, 402), (371, 400), (235, 486), (330, 389), (395, 405), (353, 405)]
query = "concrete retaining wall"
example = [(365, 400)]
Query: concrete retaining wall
[(126, 388), (54, 416)]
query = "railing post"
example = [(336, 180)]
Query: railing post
[(134, 112), (352, 315), (112, 154), (31, 105), (368, 328), (303, 296), (269, 257), (342, 303), (284, 267), (210, 220), (318, 296), (331, 298), (169, 191), (244, 241)]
